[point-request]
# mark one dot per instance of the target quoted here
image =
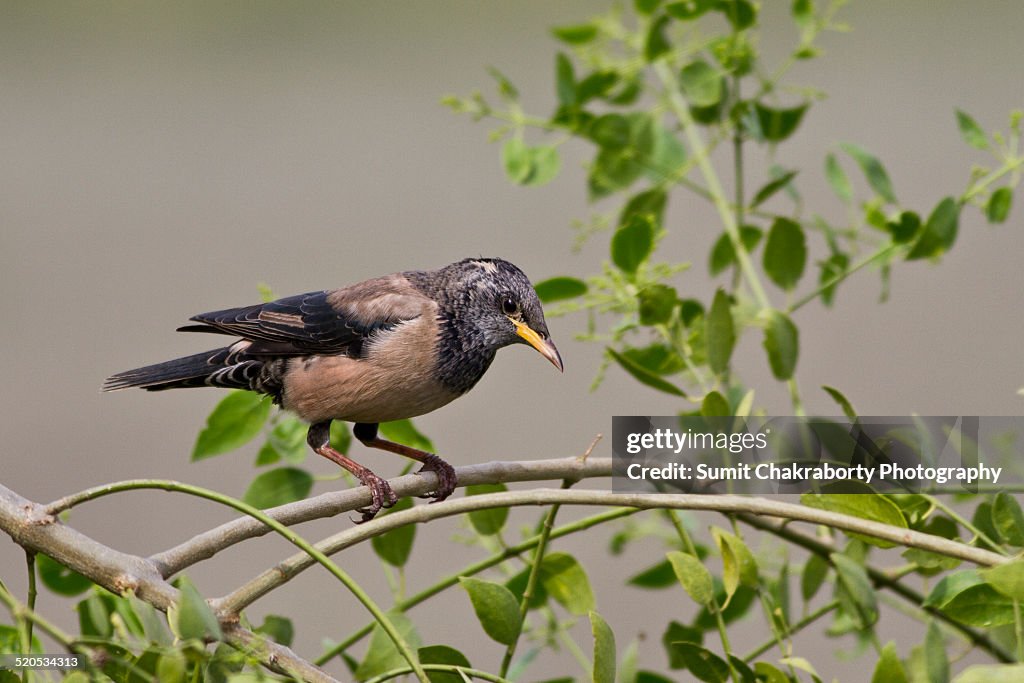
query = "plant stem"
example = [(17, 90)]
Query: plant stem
[(713, 605), (682, 112), (881, 253), (476, 568), (30, 562), (792, 630), (167, 485), (967, 524), (464, 671), (531, 583)]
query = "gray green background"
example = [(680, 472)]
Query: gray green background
[(160, 159)]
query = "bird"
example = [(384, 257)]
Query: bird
[(389, 348)]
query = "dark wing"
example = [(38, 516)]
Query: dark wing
[(326, 322)]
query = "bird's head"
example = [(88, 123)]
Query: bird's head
[(497, 300)]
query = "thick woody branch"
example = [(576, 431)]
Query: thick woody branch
[(276, 657), (292, 566), (209, 543), (32, 527)]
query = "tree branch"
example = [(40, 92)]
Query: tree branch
[(287, 569), (209, 543)]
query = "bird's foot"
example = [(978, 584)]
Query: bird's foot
[(382, 494), (446, 479)]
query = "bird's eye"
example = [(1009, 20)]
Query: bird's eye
[(509, 305)]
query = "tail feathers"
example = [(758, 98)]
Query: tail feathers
[(190, 371)]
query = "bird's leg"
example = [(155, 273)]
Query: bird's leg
[(319, 439), (446, 479)]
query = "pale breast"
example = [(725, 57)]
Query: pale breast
[(395, 379)]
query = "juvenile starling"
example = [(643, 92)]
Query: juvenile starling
[(389, 348)]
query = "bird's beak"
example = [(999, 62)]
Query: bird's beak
[(545, 346)]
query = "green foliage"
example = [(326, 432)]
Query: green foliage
[(495, 607), (236, 421)]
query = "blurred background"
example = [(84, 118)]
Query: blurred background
[(161, 159)]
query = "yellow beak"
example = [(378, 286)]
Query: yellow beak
[(545, 346)]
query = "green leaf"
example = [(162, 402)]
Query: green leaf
[(723, 255), (715, 405), (905, 228), (495, 607), (442, 654), (704, 664), (191, 616), (771, 187), (565, 80), (1008, 519), (405, 432), (982, 606), (341, 436), (577, 34), (693, 576), (702, 84), (660, 575), (610, 131), (939, 231), (529, 165), (646, 7), (998, 207), (720, 333), (278, 486), (740, 13), (854, 590), (508, 92), (738, 564), (491, 521), (838, 179), (992, 673), (649, 204), (278, 629), (690, 9), (813, 576), (546, 164), (875, 173), (643, 375), (889, 668), (286, 440), (678, 633), (604, 650), (656, 358), (952, 585), (632, 244), (60, 579), (381, 654), (594, 85), (767, 673), (656, 303), (516, 160), (517, 584), (970, 131), (936, 661), (872, 506), (565, 580), (782, 342), (558, 288), (395, 546), (778, 124), (785, 253), (235, 421), (656, 44), (1007, 578), (844, 404)]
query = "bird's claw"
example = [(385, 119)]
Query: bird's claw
[(446, 479), (382, 496)]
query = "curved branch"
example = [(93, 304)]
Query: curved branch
[(287, 569), (209, 543)]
